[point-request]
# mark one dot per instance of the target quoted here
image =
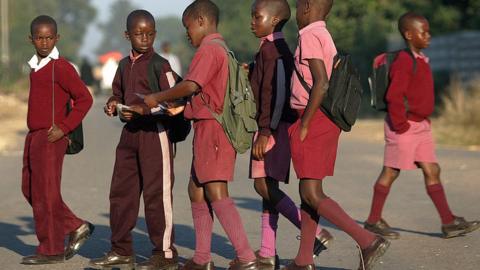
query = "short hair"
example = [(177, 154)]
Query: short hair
[(279, 8), (43, 20), (406, 19), (139, 14), (203, 8)]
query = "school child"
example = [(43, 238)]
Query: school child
[(53, 83), (408, 137), (270, 160), (314, 139), (213, 155), (144, 158)]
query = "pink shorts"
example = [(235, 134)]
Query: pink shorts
[(213, 155), (402, 151), (277, 159), (314, 158)]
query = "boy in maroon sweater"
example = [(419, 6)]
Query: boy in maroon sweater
[(409, 142), (53, 83), (270, 78), (144, 157)]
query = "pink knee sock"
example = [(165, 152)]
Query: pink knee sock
[(331, 211), (202, 223), (229, 218), (307, 240), (437, 194), (380, 194), (269, 231)]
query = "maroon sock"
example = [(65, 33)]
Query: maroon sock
[(229, 218), (437, 194), (307, 239), (331, 211), (380, 193), (203, 224)]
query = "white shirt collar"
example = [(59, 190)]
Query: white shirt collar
[(35, 65)]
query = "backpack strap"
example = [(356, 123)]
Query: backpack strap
[(302, 80)]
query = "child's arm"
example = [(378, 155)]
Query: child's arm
[(182, 89), (319, 88)]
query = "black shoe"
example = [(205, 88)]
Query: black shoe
[(78, 238), (370, 255), (267, 263), (39, 259), (459, 227), (158, 262), (113, 260), (322, 241), (382, 228)]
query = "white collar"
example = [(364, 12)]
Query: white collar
[(35, 65)]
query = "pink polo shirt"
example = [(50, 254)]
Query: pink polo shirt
[(315, 42), (209, 69)]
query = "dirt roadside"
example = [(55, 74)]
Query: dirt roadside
[(13, 115)]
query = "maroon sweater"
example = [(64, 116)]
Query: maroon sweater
[(409, 88), (68, 85), (271, 104)]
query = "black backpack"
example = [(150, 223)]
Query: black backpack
[(342, 101), (380, 79), (177, 126)]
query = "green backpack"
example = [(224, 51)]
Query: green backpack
[(239, 109)]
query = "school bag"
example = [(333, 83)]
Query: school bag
[(177, 126), (343, 98), (75, 137), (238, 115), (380, 79)]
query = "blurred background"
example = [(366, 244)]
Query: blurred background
[(92, 38)]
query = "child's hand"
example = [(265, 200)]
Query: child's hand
[(303, 133), (133, 112), (260, 147), (110, 108), (175, 108), (55, 134), (151, 101)]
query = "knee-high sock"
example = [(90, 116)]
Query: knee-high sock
[(439, 199), (203, 224), (307, 239), (380, 194), (269, 231)]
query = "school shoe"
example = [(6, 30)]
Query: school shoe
[(267, 263), (159, 262), (382, 228), (459, 227), (112, 260), (370, 255), (294, 266), (236, 264), (77, 238), (191, 265), (39, 259), (322, 241)]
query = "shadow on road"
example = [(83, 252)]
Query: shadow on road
[(430, 234), (9, 237)]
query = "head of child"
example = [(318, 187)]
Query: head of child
[(415, 30), (43, 35), (200, 20), (310, 11), (269, 16), (140, 31)]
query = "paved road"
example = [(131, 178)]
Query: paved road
[(86, 180)]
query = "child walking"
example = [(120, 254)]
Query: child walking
[(144, 157), (213, 155), (270, 78), (53, 83), (314, 139), (408, 137)]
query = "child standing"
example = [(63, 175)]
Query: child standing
[(53, 83), (213, 155), (314, 138), (270, 159), (408, 136), (144, 158)]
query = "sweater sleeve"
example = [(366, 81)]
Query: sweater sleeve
[(401, 73), (267, 88), (82, 99)]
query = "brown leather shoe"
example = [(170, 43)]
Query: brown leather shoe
[(370, 255), (159, 262), (267, 263), (191, 265), (39, 259), (322, 241), (294, 266), (113, 260), (459, 227), (236, 264), (78, 238), (382, 228)]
